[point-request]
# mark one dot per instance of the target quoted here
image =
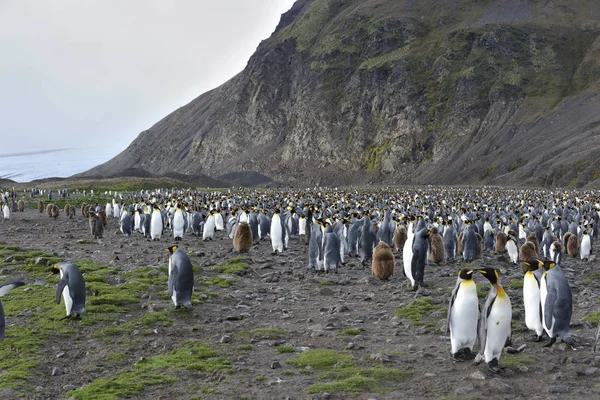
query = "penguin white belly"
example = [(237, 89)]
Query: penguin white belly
[(513, 252), (586, 247), (174, 295), (178, 225), (209, 228), (543, 295), (156, 226), (302, 226), (407, 257), (68, 299), (552, 251), (136, 221), (6, 212), (498, 328), (276, 234), (531, 300), (219, 224), (463, 317)]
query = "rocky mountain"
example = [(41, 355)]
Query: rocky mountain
[(399, 91)]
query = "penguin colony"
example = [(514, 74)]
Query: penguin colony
[(417, 228)]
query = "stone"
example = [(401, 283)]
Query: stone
[(499, 385), (275, 365), (225, 339), (56, 371), (558, 389), (478, 375)]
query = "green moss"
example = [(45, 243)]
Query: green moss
[(220, 281), (516, 284), (593, 318), (417, 309), (515, 361), (306, 29), (286, 349), (194, 356), (267, 333), (261, 378), (321, 359), (373, 154), (124, 385), (351, 331), (386, 60), (246, 347), (231, 268)]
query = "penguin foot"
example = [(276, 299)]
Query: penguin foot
[(66, 317), (493, 366), (536, 338), (551, 342)]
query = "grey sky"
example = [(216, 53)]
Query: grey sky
[(75, 73)]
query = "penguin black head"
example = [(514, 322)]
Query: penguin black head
[(172, 249), (54, 270), (466, 273), (490, 273), (548, 264)]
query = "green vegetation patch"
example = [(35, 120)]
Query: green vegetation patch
[(418, 309), (593, 318), (515, 361), (342, 373), (286, 349), (268, 333), (352, 331), (192, 356)]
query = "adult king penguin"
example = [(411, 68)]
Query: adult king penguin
[(463, 315), (557, 302), (181, 278), (531, 296), (494, 322), (156, 223), (72, 288)]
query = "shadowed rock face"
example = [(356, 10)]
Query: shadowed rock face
[(399, 91)]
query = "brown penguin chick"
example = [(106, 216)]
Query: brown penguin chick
[(383, 261), (460, 243), (566, 241), (71, 212), (84, 210), (533, 239), (91, 220), (501, 240), (479, 250), (21, 205), (49, 209), (242, 240), (66, 209), (527, 252), (573, 246), (102, 216), (437, 252), (41, 207), (54, 211), (399, 237), (96, 227)]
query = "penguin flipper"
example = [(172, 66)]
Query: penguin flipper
[(61, 286), (9, 285), (549, 308), (450, 304)]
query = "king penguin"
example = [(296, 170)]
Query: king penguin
[(531, 296), (5, 287), (276, 233), (586, 246), (181, 278), (209, 227), (126, 223), (469, 242), (331, 250), (463, 314), (557, 302), (178, 224), (72, 288), (494, 321), (367, 240), (407, 253), (156, 224), (419, 256)]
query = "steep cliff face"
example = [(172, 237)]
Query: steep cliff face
[(400, 91)]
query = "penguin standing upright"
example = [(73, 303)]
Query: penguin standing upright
[(383, 261), (156, 224), (209, 227), (181, 278), (242, 240), (178, 224), (512, 248), (469, 243), (367, 239), (399, 237), (276, 233), (331, 250), (489, 240), (419, 256), (125, 223), (353, 237), (500, 245), (436, 250), (6, 211), (547, 240), (531, 297), (407, 254), (557, 302), (463, 314), (72, 288), (5, 287), (573, 245), (450, 242), (586, 246), (494, 321), (315, 248)]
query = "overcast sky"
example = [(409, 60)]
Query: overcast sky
[(81, 72)]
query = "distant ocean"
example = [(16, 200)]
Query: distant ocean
[(27, 166)]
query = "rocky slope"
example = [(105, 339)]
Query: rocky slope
[(399, 91)]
